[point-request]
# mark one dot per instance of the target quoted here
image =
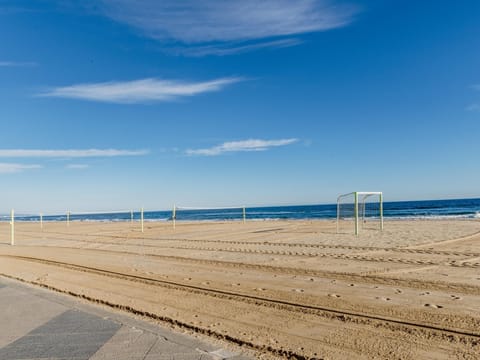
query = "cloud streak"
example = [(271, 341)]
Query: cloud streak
[(473, 107), (228, 49), (87, 153), (7, 168), (16, 64), (139, 91), (213, 22), (241, 146), (77, 166)]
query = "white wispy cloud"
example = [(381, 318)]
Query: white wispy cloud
[(473, 107), (139, 91), (9, 7), (229, 49), (210, 22), (77, 166), (243, 145), (7, 168), (72, 153), (16, 64)]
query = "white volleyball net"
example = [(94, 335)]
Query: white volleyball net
[(225, 213)]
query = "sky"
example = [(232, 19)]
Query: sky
[(118, 104)]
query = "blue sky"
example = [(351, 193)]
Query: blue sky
[(118, 104)]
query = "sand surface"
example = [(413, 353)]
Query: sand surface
[(278, 288)]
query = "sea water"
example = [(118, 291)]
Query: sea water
[(426, 209)]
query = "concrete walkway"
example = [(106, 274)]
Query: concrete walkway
[(39, 324)]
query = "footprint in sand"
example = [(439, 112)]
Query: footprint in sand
[(383, 298), (398, 291), (352, 285), (424, 293), (298, 290), (455, 297), (235, 284), (434, 306), (206, 283), (334, 295), (259, 289), (42, 278), (187, 279)]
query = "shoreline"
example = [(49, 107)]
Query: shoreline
[(164, 221)]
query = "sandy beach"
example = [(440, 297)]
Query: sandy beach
[(273, 288)]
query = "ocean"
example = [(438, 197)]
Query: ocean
[(426, 209)]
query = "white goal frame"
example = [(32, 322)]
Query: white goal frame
[(363, 196)]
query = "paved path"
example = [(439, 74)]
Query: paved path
[(38, 324)]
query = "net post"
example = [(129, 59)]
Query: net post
[(356, 212), (174, 215), (141, 218), (364, 205), (131, 216), (338, 212), (68, 218), (381, 211), (12, 227), (41, 221), (244, 215)]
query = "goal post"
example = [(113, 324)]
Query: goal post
[(353, 206)]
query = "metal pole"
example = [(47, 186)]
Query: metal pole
[(363, 208), (338, 211), (174, 216), (68, 218), (381, 211), (356, 213), (41, 221), (12, 227), (141, 218), (244, 215), (364, 204), (131, 216)]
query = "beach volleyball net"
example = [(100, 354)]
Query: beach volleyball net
[(359, 210), (225, 213), (73, 225), (20, 225)]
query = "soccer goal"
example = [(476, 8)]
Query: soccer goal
[(362, 208)]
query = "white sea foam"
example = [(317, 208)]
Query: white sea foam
[(435, 217)]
